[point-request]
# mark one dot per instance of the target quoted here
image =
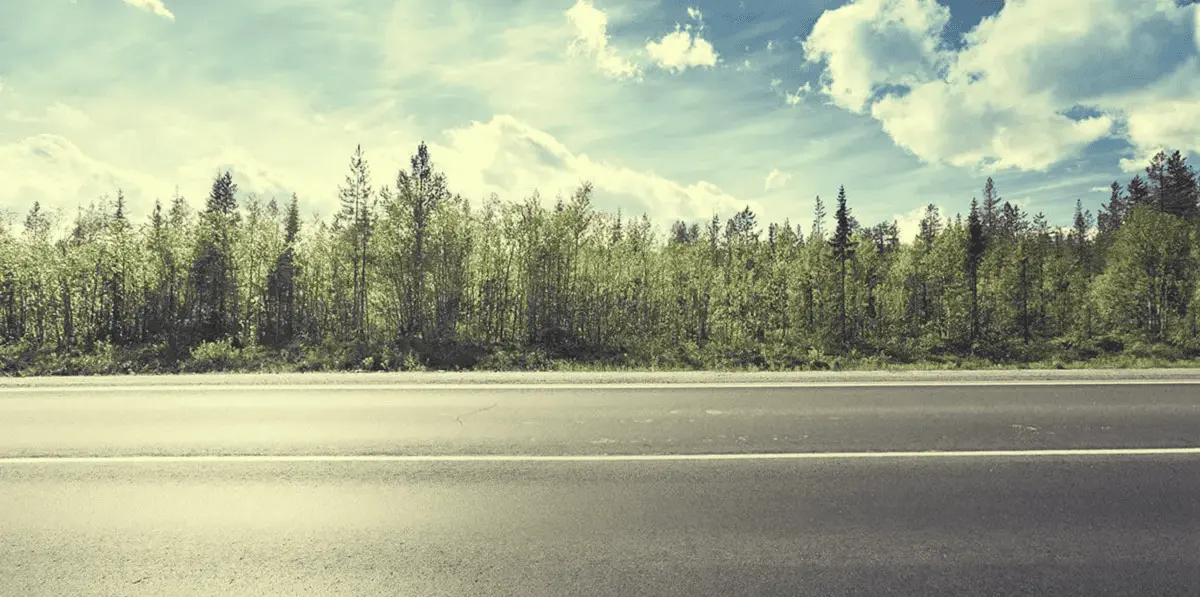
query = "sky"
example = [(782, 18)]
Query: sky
[(680, 110)]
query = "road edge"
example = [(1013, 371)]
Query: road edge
[(521, 378)]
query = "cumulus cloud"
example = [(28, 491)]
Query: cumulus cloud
[(801, 92), (512, 158), (682, 49), (775, 179), (52, 170), (1033, 84), (676, 51), (504, 155), (152, 6), (869, 44), (1166, 124), (591, 38), (908, 224)]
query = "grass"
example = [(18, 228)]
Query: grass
[(21, 360)]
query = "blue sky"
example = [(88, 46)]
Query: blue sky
[(676, 109)]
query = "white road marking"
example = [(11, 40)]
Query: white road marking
[(525, 387), (604, 457)]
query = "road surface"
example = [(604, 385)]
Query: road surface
[(370, 490)]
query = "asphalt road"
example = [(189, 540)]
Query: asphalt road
[(1009, 523)]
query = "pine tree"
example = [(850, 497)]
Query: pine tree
[(818, 223), (843, 251), (358, 213), (976, 245), (1113, 213), (991, 209), (213, 283), (1081, 225), (420, 192), (1080, 278), (281, 325), (930, 227), (118, 228), (679, 233), (1156, 174), (1180, 193), (1137, 193), (1012, 222)]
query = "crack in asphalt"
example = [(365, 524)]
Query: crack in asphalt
[(474, 412)]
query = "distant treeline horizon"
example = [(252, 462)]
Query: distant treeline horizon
[(410, 274)]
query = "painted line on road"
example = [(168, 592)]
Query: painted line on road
[(602, 457), (439, 387)]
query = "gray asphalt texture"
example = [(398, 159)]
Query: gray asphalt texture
[(1004, 525)]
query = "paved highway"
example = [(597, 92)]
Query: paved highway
[(820, 491)]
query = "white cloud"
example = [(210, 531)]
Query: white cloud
[(68, 116), (389, 74), (681, 50), (962, 128), (802, 91), (871, 43), (153, 6), (695, 14), (775, 83), (505, 156), (909, 223), (53, 171), (1165, 124), (1024, 92), (775, 179), (56, 114), (511, 158), (591, 31)]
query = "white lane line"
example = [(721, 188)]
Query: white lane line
[(440, 387), (605, 457)]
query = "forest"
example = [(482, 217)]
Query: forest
[(409, 275)]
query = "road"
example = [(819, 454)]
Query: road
[(347, 490)]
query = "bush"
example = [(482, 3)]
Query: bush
[(213, 356)]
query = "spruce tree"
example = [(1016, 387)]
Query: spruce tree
[(358, 214), (281, 325), (843, 250), (930, 227), (1156, 174), (818, 223), (212, 282), (991, 209), (1113, 213), (1179, 184), (1137, 193), (976, 245)]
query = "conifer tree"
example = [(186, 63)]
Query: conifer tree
[(357, 215), (990, 216), (1179, 187), (213, 293), (976, 245), (843, 251)]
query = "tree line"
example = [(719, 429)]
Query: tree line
[(413, 273)]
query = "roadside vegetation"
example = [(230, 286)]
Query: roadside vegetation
[(411, 276)]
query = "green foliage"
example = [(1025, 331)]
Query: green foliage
[(414, 277)]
